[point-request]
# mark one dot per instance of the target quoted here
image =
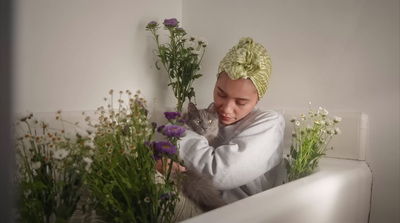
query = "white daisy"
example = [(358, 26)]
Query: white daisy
[(60, 154), (36, 165), (337, 131), (337, 119)]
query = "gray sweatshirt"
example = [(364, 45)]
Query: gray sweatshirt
[(245, 159)]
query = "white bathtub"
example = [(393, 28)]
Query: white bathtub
[(339, 190)]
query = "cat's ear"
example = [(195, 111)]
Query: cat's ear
[(211, 107), (191, 108)]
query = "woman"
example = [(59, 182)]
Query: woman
[(249, 144)]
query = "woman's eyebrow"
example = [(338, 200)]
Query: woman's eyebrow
[(242, 99)]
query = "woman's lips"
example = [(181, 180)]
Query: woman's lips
[(224, 118)]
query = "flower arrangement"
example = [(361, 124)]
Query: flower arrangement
[(49, 170), (122, 180), (180, 57), (310, 139), (110, 168)]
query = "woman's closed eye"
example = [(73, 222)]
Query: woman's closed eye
[(221, 95), (240, 104)]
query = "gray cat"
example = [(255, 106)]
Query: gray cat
[(196, 186), (199, 188), (203, 121)]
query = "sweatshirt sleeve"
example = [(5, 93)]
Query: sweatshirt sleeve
[(253, 148)]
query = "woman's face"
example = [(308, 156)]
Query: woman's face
[(234, 99)]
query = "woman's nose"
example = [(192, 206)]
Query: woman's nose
[(227, 107)]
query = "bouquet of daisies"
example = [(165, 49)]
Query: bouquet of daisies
[(310, 140)]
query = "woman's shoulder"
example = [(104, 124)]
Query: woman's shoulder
[(267, 115), (262, 119)]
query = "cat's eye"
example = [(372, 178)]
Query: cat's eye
[(210, 121), (197, 122)]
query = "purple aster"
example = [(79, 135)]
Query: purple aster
[(171, 22), (160, 128), (174, 131), (152, 25), (182, 121), (156, 157), (164, 196), (180, 31), (165, 147), (172, 115)]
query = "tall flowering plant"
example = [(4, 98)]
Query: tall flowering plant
[(310, 140), (122, 180), (49, 170), (180, 57), (167, 152)]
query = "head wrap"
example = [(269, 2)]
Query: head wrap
[(248, 60)]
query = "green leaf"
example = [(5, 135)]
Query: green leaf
[(287, 165), (197, 76), (293, 153)]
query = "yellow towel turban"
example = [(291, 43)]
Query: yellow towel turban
[(248, 60)]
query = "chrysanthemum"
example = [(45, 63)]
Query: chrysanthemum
[(165, 147), (171, 22), (174, 131)]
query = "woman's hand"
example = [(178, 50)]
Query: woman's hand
[(175, 166)]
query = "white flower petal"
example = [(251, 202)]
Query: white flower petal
[(60, 154), (36, 165)]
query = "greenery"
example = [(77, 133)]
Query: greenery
[(113, 163), (49, 170), (122, 179), (180, 57), (310, 139)]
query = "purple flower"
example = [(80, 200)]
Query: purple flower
[(156, 157), (165, 147), (171, 22), (172, 115), (180, 31), (147, 143), (174, 131), (164, 196), (160, 128), (154, 124), (152, 25), (182, 121)]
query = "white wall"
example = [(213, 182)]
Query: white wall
[(69, 54), (342, 55)]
